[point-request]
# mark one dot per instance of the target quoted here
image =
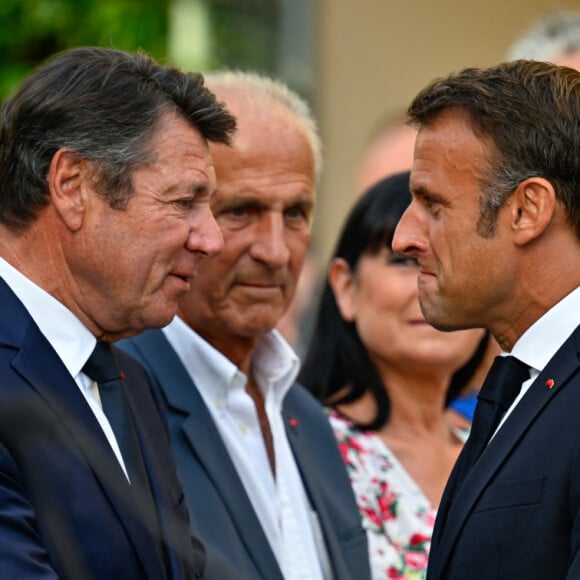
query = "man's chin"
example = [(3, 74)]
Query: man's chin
[(257, 327), (443, 322), (433, 314)]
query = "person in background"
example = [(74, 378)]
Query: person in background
[(494, 225), (555, 38), (296, 323), (105, 183), (386, 376), (389, 151), (264, 480)]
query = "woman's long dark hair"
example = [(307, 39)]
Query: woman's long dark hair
[(336, 361)]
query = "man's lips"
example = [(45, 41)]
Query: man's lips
[(260, 290), (183, 280), (259, 287), (424, 276)]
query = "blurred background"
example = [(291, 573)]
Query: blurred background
[(356, 62)]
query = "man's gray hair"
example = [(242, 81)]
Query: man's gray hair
[(556, 33), (257, 87)]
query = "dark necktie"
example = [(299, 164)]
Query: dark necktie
[(499, 390), (103, 369)]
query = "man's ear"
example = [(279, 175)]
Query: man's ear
[(532, 206), (67, 179), (341, 280)]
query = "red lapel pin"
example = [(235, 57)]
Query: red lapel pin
[(550, 383), (293, 422)]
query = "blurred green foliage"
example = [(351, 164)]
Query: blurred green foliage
[(32, 30), (244, 34)]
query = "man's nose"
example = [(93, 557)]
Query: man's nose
[(408, 238), (205, 235), (270, 244)]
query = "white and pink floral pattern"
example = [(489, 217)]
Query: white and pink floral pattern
[(396, 515)]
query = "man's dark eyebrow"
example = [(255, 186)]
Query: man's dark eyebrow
[(198, 188), (424, 192), (304, 202), (240, 200), (418, 191), (259, 201)]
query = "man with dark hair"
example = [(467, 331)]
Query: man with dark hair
[(495, 226), (105, 183)]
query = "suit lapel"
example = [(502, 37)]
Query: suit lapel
[(39, 365), (212, 453), (208, 446), (304, 436), (560, 369), (304, 442), (164, 500)]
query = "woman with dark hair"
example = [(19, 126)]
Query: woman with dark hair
[(387, 377)]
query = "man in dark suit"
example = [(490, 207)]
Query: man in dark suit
[(495, 226), (264, 481), (105, 181)]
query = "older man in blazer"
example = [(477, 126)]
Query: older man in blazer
[(495, 227), (264, 481), (98, 148)]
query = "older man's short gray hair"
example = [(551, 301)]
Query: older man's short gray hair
[(257, 87)]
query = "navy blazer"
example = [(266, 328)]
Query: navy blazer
[(221, 512), (66, 508), (517, 515)]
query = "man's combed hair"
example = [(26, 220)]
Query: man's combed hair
[(103, 105), (530, 113)]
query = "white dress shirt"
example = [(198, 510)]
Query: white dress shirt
[(542, 340), (67, 335), (280, 503)]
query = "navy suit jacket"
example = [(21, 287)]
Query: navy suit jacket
[(221, 512), (517, 514), (66, 510)]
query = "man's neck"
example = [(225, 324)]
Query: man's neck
[(238, 349)]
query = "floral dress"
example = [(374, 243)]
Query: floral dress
[(396, 515)]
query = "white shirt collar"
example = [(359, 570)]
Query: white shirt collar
[(542, 340), (274, 362), (69, 337)]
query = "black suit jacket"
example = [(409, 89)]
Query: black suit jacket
[(221, 512), (517, 514), (66, 509)]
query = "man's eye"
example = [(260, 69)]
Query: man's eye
[(241, 211), (399, 260), (433, 205), (294, 212), (186, 203)]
